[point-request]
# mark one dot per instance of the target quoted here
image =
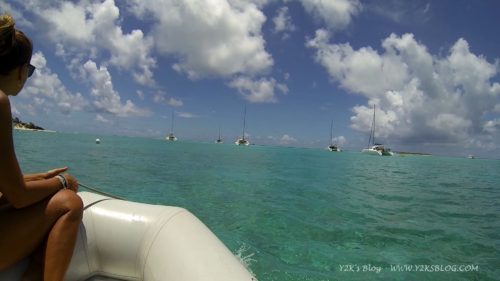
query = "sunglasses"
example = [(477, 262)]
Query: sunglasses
[(31, 69)]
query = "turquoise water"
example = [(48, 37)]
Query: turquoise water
[(303, 214)]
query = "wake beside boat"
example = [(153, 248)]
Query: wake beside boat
[(375, 148)]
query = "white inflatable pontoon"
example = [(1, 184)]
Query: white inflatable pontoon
[(123, 240)]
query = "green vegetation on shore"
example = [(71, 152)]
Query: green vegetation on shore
[(18, 124)]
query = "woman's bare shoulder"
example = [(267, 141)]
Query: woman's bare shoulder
[(5, 114), (4, 100)]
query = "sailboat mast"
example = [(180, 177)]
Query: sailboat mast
[(331, 133), (172, 124), (372, 130), (373, 124), (370, 138), (244, 121)]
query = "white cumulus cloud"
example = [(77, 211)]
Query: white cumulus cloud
[(492, 126), (106, 99), (102, 119), (340, 141), (419, 97), (187, 115), (85, 29), (209, 38), (282, 140), (287, 140), (47, 91), (262, 90), (336, 14), (162, 97), (283, 22)]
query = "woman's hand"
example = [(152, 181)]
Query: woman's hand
[(72, 182), (54, 172)]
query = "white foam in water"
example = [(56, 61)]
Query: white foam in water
[(245, 259)]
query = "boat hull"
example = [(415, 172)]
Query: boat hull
[(242, 142), (370, 151), (387, 153), (125, 240), (378, 150), (171, 138)]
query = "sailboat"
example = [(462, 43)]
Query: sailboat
[(171, 136), (376, 148), (333, 146), (219, 140), (242, 140)]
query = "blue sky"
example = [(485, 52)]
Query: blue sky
[(122, 68)]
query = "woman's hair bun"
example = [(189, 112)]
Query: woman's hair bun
[(7, 33), (15, 47)]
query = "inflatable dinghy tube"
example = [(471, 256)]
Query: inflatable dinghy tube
[(123, 240)]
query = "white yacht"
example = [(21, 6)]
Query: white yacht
[(171, 136), (242, 140), (219, 140), (376, 148), (333, 146)]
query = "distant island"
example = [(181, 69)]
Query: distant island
[(412, 153), (20, 125)]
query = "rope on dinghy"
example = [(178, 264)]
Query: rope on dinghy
[(100, 192)]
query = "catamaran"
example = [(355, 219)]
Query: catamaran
[(376, 148), (242, 140), (333, 146), (171, 136)]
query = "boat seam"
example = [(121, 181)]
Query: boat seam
[(98, 265), (182, 210)]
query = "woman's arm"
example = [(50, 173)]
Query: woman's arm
[(12, 184), (33, 177), (47, 175)]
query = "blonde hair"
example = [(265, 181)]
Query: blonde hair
[(15, 47)]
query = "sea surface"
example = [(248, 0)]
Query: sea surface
[(303, 214)]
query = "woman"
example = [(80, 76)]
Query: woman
[(40, 214)]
